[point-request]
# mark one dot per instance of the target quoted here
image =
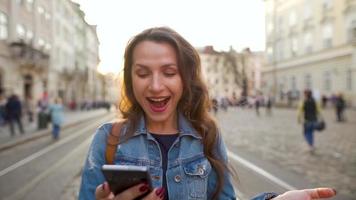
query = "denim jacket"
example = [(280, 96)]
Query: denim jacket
[(189, 174)]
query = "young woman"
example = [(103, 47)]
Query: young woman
[(56, 111), (167, 127)]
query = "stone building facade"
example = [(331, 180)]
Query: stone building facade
[(310, 45), (25, 45), (231, 74), (48, 49)]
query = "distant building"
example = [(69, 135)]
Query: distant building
[(25, 46), (310, 45), (231, 74), (47, 48)]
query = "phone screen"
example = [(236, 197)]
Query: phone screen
[(122, 177)]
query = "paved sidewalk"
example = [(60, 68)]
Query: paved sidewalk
[(70, 117), (279, 139)]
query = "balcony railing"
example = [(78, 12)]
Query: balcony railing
[(27, 56)]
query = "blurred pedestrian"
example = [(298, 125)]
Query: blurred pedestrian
[(269, 105), (333, 99), (215, 105), (2, 108), (308, 113), (224, 103), (73, 105), (13, 109), (324, 101), (42, 115), (340, 107), (257, 104), (56, 112), (30, 107)]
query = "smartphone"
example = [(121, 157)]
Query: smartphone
[(122, 177)]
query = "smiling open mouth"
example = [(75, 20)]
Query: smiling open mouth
[(158, 104)]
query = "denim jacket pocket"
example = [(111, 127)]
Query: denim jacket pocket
[(196, 173)]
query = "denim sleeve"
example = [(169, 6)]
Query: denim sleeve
[(92, 175), (227, 189), (265, 196)]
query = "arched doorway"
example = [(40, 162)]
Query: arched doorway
[(28, 86)]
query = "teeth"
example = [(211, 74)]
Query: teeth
[(157, 100)]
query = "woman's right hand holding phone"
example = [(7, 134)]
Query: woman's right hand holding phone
[(103, 192)]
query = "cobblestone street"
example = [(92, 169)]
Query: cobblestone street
[(278, 138)]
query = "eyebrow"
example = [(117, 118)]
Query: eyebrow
[(164, 66)]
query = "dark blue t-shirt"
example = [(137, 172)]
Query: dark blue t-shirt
[(165, 142)]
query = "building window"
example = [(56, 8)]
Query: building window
[(48, 46), (307, 10), (280, 26), (21, 31), (280, 50), (292, 19), (20, 2), (308, 81), (41, 42), (270, 26), (293, 83), (349, 79), (294, 46), (40, 10), (327, 81), (308, 42), (47, 16), (327, 4), (3, 26), (270, 54), (351, 33), (29, 5), (29, 35), (327, 35)]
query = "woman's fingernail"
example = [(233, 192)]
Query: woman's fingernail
[(334, 191), (143, 188), (162, 196), (104, 186), (159, 191)]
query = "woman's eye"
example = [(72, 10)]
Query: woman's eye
[(169, 74), (142, 75)]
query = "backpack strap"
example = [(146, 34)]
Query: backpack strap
[(112, 142)]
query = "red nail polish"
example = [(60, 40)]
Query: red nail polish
[(104, 186), (162, 196), (143, 188), (159, 191)]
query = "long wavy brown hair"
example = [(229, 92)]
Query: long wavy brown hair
[(194, 103)]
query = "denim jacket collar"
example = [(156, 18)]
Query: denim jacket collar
[(184, 126)]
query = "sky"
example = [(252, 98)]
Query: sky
[(221, 23)]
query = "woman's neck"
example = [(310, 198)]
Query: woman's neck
[(169, 126)]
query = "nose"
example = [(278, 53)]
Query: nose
[(156, 84)]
